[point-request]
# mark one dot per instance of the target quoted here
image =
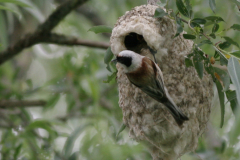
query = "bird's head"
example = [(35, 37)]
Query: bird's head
[(129, 60)]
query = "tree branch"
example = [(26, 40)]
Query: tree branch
[(27, 41), (42, 31), (60, 39), (23, 103), (59, 14)]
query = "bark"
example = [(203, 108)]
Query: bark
[(22, 103)]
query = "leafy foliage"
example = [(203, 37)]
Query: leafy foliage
[(211, 29), (199, 58), (159, 13), (212, 5), (81, 118)]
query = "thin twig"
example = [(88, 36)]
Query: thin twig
[(5, 126), (21, 103), (59, 39), (77, 115), (206, 36), (9, 112), (191, 28), (183, 20)]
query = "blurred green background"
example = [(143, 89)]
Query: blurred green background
[(82, 116)]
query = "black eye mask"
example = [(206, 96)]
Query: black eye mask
[(125, 60)]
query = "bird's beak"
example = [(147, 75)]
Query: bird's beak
[(114, 61)]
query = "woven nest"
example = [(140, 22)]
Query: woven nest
[(147, 119)]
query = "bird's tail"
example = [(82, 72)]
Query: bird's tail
[(176, 112)]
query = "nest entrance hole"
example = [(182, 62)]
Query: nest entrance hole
[(135, 42)]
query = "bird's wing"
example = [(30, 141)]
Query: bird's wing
[(156, 90), (152, 90), (159, 79), (134, 83)]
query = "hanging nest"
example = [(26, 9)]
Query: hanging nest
[(148, 120)]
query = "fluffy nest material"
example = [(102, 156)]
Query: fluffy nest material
[(147, 119)]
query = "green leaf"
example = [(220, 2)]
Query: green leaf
[(194, 24), (52, 101), (234, 72), (212, 35), (204, 42), (38, 124), (212, 5), (214, 18), (159, 13), (223, 59), (111, 77), (182, 8), (26, 114), (225, 78), (179, 26), (223, 146), (68, 146), (74, 156), (8, 9), (231, 41), (123, 126), (235, 54), (236, 2), (235, 130), (113, 66), (177, 34), (17, 151), (215, 28), (190, 55), (29, 83), (188, 62), (216, 55), (198, 64), (232, 98), (189, 8), (235, 27), (101, 29), (20, 3), (189, 36), (108, 57), (200, 52), (209, 68), (224, 45), (209, 23), (44, 124), (94, 88), (199, 20), (221, 100)]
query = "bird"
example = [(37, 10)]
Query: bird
[(147, 76)]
